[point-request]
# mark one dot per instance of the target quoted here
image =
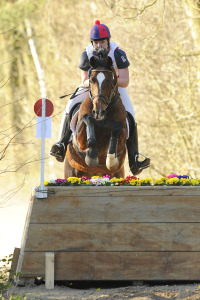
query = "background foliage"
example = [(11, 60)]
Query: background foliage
[(161, 41)]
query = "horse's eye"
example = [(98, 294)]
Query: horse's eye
[(92, 79)]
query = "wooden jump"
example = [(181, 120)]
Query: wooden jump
[(113, 233)]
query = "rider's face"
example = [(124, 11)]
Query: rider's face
[(101, 43)]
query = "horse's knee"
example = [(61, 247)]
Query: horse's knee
[(91, 142), (92, 153), (91, 158), (112, 162)]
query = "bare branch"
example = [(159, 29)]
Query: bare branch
[(159, 27), (6, 82), (13, 169), (15, 101), (9, 30), (6, 62), (11, 139), (4, 198), (141, 11)]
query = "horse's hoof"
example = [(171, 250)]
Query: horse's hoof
[(91, 162), (112, 162)]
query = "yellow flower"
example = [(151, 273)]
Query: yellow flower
[(114, 179), (185, 181), (74, 180), (95, 177), (46, 182), (172, 180), (86, 181), (195, 181), (133, 182), (159, 181), (148, 180)]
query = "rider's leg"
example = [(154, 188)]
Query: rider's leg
[(59, 149), (136, 166)]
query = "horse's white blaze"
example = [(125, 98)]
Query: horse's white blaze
[(100, 79), (112, 162)]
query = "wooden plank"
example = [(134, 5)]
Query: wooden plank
[(116, 265), (86, 209), (115, 191), (14, 262), (25, 233), (114, 237)]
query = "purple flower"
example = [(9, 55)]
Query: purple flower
[(183, 176), (61, 181)]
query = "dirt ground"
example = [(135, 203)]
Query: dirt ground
[(111, 291)]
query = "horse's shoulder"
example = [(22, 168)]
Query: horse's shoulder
[(86, 107)]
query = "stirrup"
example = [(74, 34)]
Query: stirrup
[(146, 161), (136, 168)]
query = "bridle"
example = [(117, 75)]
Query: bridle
[(106, 100)]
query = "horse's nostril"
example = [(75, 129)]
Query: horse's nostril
[(93, 112)]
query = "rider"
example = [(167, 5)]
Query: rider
[(100, 37)]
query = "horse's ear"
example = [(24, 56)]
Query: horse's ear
[(109, 62), (93, 62)]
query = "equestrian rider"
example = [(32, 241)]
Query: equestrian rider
[(100, 37)]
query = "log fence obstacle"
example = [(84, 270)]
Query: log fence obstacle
[(112, 233)]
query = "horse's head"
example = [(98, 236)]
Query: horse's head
[(103, 82)]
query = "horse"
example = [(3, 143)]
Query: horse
[(98, 145)]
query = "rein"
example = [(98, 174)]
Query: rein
[(102, 97), (85, 89)]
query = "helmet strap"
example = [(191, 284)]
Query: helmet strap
[(108, 44)]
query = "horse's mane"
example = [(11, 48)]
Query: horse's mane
[(101, 57)]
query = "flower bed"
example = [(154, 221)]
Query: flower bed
[(171, 180)]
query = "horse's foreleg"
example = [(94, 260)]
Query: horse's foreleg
[(91, 158), (112, 161)]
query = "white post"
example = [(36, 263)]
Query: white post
[(49, 270), (43, 143), (41, 191)]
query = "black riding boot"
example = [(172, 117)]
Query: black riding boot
[(59, 149), (136, 166)]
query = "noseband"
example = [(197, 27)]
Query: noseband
[(102, 97)]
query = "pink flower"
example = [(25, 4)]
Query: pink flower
[(107, 176), (84, 178), (172, 175)]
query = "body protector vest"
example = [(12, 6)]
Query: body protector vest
[(113, 46)]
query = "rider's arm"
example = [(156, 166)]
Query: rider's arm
[(123, 77), (122, 66), (85, 79), (84, 65)]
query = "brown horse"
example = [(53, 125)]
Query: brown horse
[(98, 146)]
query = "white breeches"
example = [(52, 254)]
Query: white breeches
[(82, 93), (126, 101)]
